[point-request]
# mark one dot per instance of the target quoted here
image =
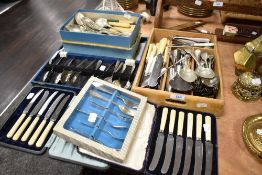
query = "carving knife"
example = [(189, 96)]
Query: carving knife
[(28, 119), (39, 114), (198, 147), (48, 113), (22, 116), (159, 141), (209, 147), (179, 142), (55, 115), (152, 82), (189, 144), (169, 143)]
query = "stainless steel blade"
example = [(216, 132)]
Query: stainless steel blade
[(209, 157), (59, 108), (32, 101), (43, 108), (158, 150), (178, 155), (188, 156), (198, 157), (53, 106), (152, 82), (168, 154), (40, 103)]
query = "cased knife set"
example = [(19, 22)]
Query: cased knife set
[(183, 142), (30, 124), (72, 72), (181, 69)]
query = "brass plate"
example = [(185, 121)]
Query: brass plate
[(251, 138)]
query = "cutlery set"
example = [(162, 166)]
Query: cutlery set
[(185, 145), (32, 128), (75, 72)]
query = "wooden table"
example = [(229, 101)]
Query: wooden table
[(29, 36)]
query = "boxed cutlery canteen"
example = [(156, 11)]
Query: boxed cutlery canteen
[(181, 69), (103, 118), (30, 123)]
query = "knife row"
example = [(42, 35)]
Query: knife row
[(42, 108), (185, 146), (75, 72)]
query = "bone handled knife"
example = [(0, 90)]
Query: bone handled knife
[(209, 146), (169, 143), (22, 116), (189, 144), (159, 141), (198, 146), (39, 114), (54, 117), (179, 142), (28, 119)]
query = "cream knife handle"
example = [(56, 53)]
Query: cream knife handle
[(199, 126), (189, 125), (37, 132), (15, 126), (149, 51), (22, 128), (30, 129), (163, 120), (208, 124), (181, 117), (172, 121), (42, 138), (162, 46), (166, 54)]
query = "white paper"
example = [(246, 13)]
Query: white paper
[(256, 81), (30, 96), (259, 132), (127, 16), (207, 128), (96, 84), (254, 33), (102, 68), (92, 117), (201, 105), (218, 4), (176, 96), (199, 3)]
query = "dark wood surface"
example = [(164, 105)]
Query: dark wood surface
[(28, 38)]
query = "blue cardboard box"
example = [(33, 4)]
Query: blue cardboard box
[(102, 40)]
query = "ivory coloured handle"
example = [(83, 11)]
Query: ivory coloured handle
[(15, 126), (181, 117), (42, 138), (172, 121), (21, 129), (189, 125), (163, 119), (199, 126), (30, 129), (162, 46), (208, 132), (120, 24), (37, 133)]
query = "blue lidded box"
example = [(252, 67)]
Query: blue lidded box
[(102, 40)]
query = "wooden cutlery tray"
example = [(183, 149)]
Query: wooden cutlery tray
[(16, 110), (188, 101), (211, 129), (96, 122)]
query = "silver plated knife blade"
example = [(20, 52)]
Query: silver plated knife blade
[(152, 82), (43, 108), (179, 143), (59, 108), (32, 101), (40, 103), (209, 147), (53, 106), (198, 147), (169, 143), (189, 144), (159, 141)]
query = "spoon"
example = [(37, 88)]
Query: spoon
[(186, 73), (211, 82)]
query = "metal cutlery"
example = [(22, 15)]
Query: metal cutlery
[(28, 119), (209, 146), (169, 143), (179, 143), (42, 124), (198, 146), (159, 141), (23, 115)]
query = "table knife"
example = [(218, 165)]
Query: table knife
[(198, 147), (34, 112), (22, 116), (209, 147), (152, 82), (159, 141), (39, 114), (46, 117), (179, 142), (189, 144), (55, 115), (169, 143)]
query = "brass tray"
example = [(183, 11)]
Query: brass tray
[(251, 137)]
